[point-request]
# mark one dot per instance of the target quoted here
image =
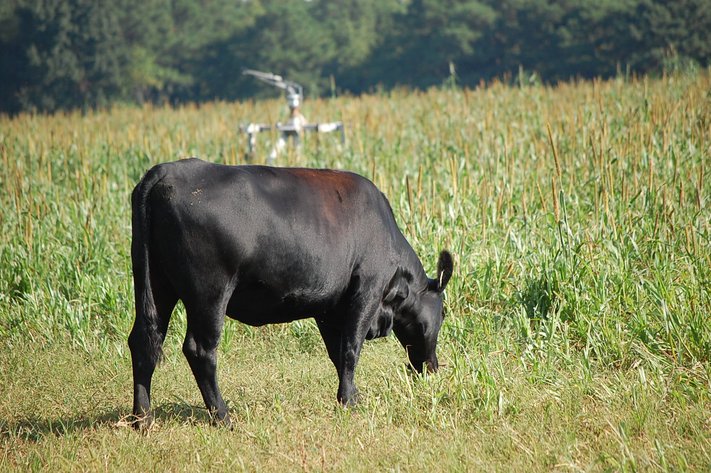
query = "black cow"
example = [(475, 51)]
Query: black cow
[(268, 245)]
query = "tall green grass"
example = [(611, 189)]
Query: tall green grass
[(578, 215), (581, 207)]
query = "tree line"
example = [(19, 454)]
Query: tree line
[(68, 54)]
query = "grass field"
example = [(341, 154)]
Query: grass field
[(578, 330)]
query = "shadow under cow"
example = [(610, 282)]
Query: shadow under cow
[(35, 428)]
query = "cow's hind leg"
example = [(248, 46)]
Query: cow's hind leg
[(200, 348), (144, 365)]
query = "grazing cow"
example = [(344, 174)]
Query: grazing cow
[(268, 245)]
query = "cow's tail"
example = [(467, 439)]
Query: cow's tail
[(145, 336)]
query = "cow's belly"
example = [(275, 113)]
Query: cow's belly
[(257, 305)]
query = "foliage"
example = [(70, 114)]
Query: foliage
[(70, 57), (86, 54)]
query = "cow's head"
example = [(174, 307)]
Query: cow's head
[(418, 313)]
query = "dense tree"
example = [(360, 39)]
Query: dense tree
[(89, 53), (357, 28), (64, 54), (671, 31)]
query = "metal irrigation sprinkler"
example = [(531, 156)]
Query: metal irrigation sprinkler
[(294, 126)]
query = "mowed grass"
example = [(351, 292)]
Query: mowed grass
[(577, 336)]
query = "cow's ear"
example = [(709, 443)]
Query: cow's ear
[(397, 289), (445, 267)]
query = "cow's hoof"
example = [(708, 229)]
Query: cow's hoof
[(222, 421), (142, 423), (350, 400)]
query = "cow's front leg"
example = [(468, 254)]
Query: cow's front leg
[(335, 340), (343, 345), (332, 339), (352, 336), (351, 344), (200, 349)]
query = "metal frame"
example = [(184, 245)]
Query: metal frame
[(289, 131)]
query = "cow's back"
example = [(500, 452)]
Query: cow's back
[(275, 239)]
